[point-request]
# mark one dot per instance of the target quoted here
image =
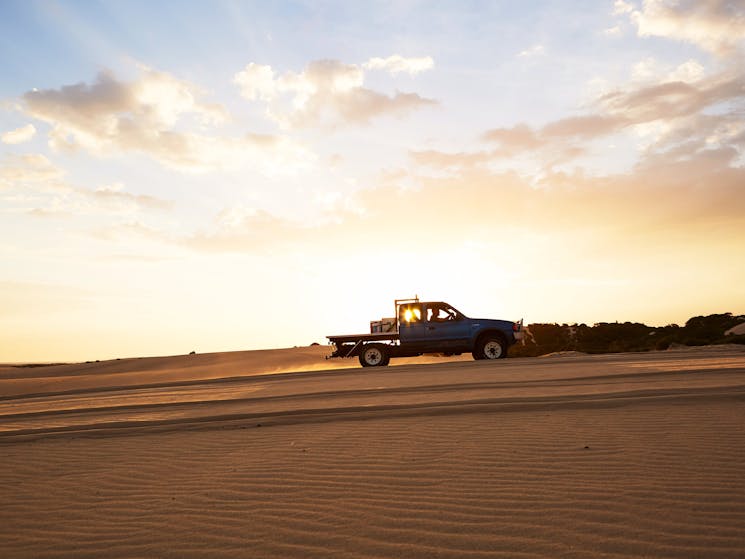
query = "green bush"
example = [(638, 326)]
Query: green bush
[(612, 337)]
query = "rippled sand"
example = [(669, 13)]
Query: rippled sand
[(225, 455)]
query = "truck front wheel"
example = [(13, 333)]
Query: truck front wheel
[(490, 346), (374, 355)]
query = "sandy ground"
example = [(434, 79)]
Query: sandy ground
[(225, 455)]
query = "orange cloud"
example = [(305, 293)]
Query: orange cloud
[(520, 137)]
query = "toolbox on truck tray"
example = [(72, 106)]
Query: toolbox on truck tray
[(383, 325)]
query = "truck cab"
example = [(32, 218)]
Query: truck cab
[(434, 325), (437, 327)]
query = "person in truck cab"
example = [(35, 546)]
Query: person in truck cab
[(438, 314)]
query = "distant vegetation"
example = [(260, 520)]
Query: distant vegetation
[(611, 337)]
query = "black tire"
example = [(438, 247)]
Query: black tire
[(490, 346), (374, 355)]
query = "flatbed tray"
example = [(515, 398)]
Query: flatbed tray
[(349, 338)]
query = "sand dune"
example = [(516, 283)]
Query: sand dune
[(218, 455), (148, 371)]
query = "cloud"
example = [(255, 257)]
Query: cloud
[(328, 92), (689, 71), (155, 114), (661, 191), (535, 50), (240, 229), (30, 170), (664, 199), (19, 135), (620, 7), (663, 112), (520, 136), (682, 201), (114, 195), (650, 70), (717, 26), (672, 99), (109, 114), (256, 82), (129, 229), (442, 160), (32, 184), (587, 126), (614, 31), (397, 64)]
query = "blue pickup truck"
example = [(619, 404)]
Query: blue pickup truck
[(428, 327)]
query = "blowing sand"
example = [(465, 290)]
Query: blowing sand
[(635, 455)]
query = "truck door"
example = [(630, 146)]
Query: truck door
[(411, 324), (446, 328)]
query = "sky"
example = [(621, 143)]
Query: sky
[(182, 176)]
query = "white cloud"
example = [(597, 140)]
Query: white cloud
[(614, 31), (717, 26), (19, 135), (326, 92), (256, 82), (535, 50), (650, 70), (620, 7), (113, 187), (234, 216), (158, 115), (689, 71), (396, 64), (645, 70), (167, 99)]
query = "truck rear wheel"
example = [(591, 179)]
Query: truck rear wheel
[(374, 355), (490, 346)]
